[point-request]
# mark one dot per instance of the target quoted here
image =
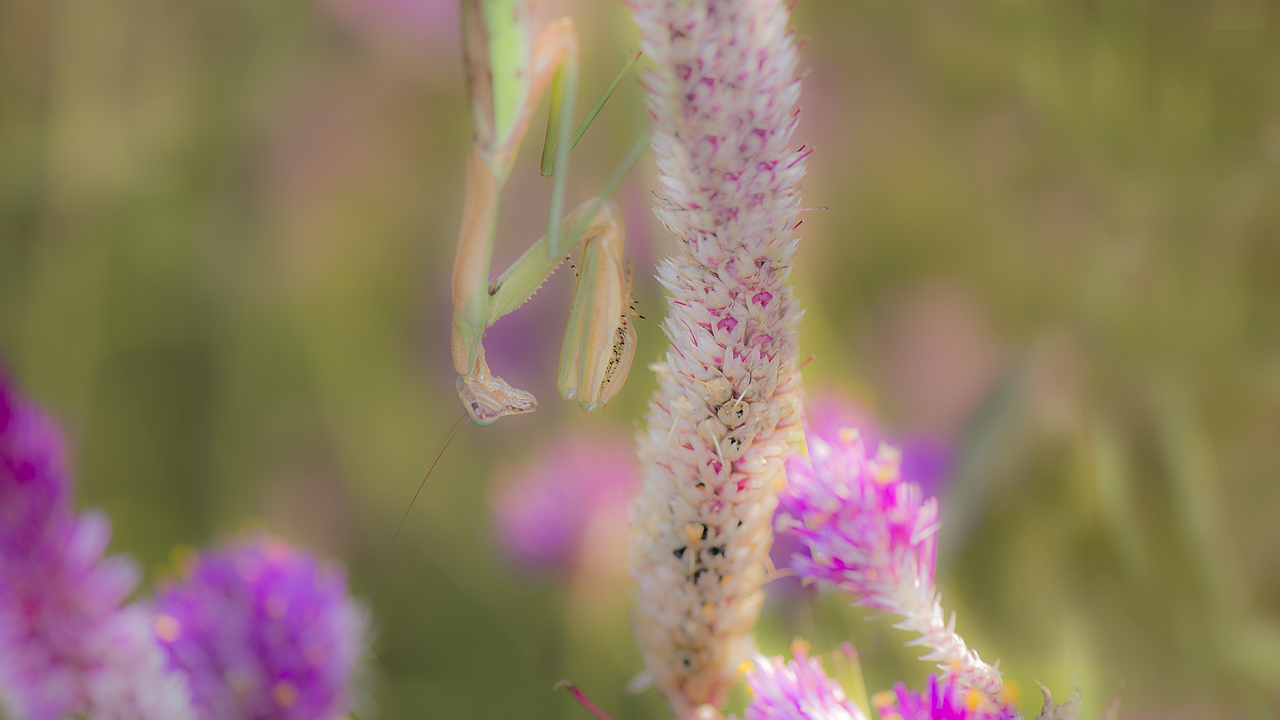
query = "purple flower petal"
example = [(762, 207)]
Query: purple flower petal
[(35, 486)]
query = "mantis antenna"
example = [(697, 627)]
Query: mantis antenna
[(453, 433)]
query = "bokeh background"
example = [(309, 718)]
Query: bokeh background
[(1051, 248)]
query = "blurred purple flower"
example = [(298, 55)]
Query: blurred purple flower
[(66, 645), (262, 631), (796, 690), (544, 513), (951, 701), (129, 678)]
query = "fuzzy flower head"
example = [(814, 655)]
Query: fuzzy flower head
[(67, 646), (939, 701), (796, 690), (723, 93), (261, 631), (867, 530)]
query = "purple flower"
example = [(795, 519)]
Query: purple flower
[(545, 513), (130, 678), (871, 533), (262, 631), (796, 690), (951, 701), (66, 645)]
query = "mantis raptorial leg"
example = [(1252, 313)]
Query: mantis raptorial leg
[(509, 66)]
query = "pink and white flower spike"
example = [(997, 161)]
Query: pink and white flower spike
[(874, 535)]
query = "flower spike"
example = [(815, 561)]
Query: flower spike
[(723, 93)]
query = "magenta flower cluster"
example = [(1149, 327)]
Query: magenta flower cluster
[(939, 701), (256, 630), (796, 690), (867, 529)]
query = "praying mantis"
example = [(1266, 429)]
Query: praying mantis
[(509, 66), (510, 63)]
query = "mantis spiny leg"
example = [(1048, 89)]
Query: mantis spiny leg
[(599, 341)]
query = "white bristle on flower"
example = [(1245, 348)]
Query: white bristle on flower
[(723, 92)]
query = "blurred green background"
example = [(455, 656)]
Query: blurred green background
[(1052, 242)]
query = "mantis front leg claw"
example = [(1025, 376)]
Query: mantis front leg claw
[(487, 397)]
